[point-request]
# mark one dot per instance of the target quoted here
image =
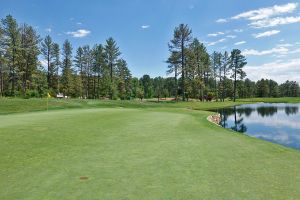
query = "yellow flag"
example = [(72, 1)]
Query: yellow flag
[(49, 95)]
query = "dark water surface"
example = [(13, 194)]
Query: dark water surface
[(277, 123)]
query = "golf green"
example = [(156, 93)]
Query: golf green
[(123, 153)]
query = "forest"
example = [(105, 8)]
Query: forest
[(31, 66)]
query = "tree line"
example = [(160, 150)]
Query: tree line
[(99, 71)]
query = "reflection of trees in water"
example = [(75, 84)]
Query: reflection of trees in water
[(239, 112), (266, 111), (246, 111), (291, 110), (224, 114), (239, 126)]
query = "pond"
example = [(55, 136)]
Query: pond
[(278, 123)]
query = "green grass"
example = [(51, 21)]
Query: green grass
[(273, 100), (133, 150), (8, 106)]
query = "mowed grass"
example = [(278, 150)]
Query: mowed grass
[(140, 152), (15, 105)]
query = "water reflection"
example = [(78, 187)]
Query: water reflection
[(278, 123)]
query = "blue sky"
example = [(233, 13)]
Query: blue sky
[(266, 31)]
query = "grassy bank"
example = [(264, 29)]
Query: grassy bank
[(15, 105), (135, 150)]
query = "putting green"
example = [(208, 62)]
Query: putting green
[(121, 153)]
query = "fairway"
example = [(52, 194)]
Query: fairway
[(134, 153)]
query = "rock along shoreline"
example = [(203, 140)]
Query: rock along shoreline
[(216, 119)]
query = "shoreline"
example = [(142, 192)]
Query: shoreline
[(215, 119)]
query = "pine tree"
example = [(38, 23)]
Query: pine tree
[(237, 62), (111, 56), (67, 77), (57, 65), (12, 47), (2, 62), (200, 63), (79, 64), (47, 51), (98, 66), (174, 68), (225, 62), (182, 38), (29, 52), (124, 80)]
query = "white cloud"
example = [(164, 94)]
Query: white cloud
[(221, 20), (215, 34), (285, 45), (231, 36), (216, 42), (272, 22), (48, 30), (238, 30), (277, 70), (266, 34), (145, 26), (79, 23), (79, 33), (276, 50), (43, 62), (239, 43), (264, 13)]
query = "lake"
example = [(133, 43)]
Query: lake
[(275, 122)]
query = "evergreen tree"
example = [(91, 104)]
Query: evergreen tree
[(147, 84), (67, 76), (174, 68), (124, 82), (12, 41), (158, 83), (29, 52), (182, 38), (111, 56), (237, 62), (56, 64), (2, 62), (225, 62), (98, 66), (47, 51), (79, 65)]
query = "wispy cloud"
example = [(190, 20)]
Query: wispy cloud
[(266, 34), (272, 22), (231, 36), (79, 33), (215, 34), (240, 43), (238, 30), (276, 50), (145, 26), (264, 13), (221, 20), (79, 23), (279, 70), (48, 30), (216, 42)]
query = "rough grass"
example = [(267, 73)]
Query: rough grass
[(136, 150)]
